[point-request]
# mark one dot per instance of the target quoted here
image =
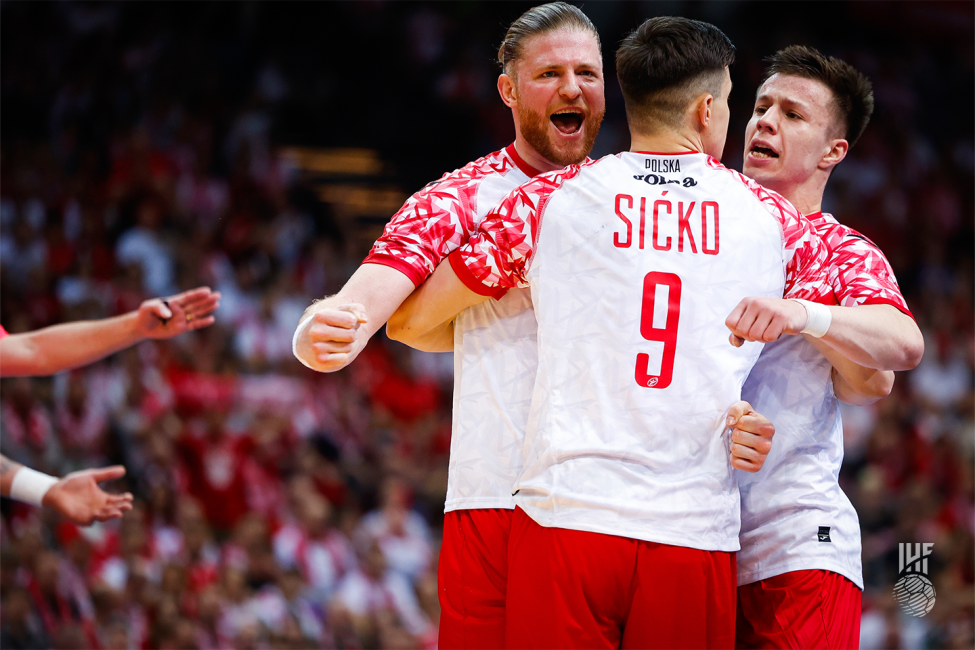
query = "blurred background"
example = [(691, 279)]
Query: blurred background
[(259, 148)]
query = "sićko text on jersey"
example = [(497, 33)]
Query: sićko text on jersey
[(675, 225)]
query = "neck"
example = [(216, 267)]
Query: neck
[(666, 142), (532, 157), (807, 196)]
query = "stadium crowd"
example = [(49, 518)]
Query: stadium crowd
[(277, 507)]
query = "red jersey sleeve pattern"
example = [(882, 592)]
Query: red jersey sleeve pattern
[(859, 274), (498, 255), (806, 254), (436, 220)]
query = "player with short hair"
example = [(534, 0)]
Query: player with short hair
[(69, 345), (552, 79), (627, 518), (799, 570)]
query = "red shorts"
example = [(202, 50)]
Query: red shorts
[(574, 589), (799, 609), (472, 577)]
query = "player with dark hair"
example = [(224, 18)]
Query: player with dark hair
[(628, 518), (552, 79), (70, 345), (799, 572)]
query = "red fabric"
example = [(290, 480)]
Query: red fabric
[(575, 589), (799, 609), (472, 576), (3, 332)]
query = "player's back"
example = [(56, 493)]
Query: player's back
[(638, 259)]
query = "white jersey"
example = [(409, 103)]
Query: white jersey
[(634, 262), (495, 349), (794, 515)]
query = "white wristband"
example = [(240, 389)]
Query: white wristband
[(302, 326), (30, 486), (818, 318)]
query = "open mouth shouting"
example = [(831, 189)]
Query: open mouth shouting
[(568, 121), (762, 150)]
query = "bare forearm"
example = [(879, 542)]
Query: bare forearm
[(853, 383), (328, 338), (875, 336), (439, 339), (432, 306), (69, 345)]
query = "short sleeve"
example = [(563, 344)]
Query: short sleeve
[(859, 273)]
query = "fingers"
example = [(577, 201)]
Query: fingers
[(744, 464), (357, 309), (760, 445), (736, 341), (107, 473), (756, 424), (331, 347), (736, 411), (197, 323)]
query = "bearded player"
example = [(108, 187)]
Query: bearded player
[(70, 345), (552, 79), (799, 571)]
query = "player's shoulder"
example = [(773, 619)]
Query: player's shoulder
[(496, 164), (770, 200), (543, 186), (840, 237)]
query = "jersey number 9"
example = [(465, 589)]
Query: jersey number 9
[(663, 288)]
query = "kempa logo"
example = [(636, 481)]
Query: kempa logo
[(914, 590)]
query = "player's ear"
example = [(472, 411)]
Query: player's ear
[(835, 154), (702, 110), (507, 90)]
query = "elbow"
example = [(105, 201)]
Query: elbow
[(875, 389), (397, 328), (913, 351)]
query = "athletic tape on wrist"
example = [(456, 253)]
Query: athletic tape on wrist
[(818, 318), (30, 486), (302, 326)]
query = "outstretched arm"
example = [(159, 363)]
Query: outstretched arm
[(69, 345), (76, 496)]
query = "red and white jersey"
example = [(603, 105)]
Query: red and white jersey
[(794, 515), (633, 263), (495, 352)]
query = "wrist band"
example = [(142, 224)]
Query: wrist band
[(818, 318), (30, 486), (302, 326)]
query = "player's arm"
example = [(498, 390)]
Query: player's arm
[(439, 339), (427, 315), (333, 331), (76, 496), (873, 336), (853, 383), (69, 345)]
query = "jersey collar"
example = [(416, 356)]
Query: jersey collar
[(527, 169)]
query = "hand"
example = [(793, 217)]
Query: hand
[(329, 342), (765, 320), (751, 437), (78, 497), (163, 318)]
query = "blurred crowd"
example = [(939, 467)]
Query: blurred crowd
[(280, 508)]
